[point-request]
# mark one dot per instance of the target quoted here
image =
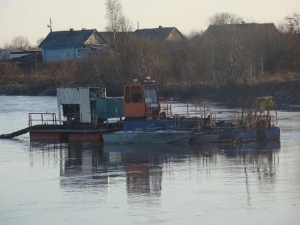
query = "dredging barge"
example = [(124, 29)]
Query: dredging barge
[(86, 114)]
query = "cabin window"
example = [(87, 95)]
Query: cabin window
[(136, 94), (150, 94), (127, 94), (71, 111)]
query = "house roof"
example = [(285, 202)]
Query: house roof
[(67, 38), (216, 30), (109, 36), (160, 33), (9, 54)]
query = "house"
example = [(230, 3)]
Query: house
[(162, 34), (71, 44), (233, 30), (24, 58), (112, 38)]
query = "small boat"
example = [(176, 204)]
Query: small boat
[(147, 137)]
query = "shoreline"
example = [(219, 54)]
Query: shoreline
[(286, 94)]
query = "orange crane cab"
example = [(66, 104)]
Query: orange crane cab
[(141, 99)]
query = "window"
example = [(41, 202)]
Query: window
[(78, 53), (127, 94), (136, 94), (67, 54), (150, 94)]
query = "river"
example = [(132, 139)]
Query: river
[(86, 183)]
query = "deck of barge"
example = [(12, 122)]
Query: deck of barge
[(49, 129)]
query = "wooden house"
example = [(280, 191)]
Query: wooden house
[(71, 44), (228, 31), (112, 38), (162, 34), (24, 58)]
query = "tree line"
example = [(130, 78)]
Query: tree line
[(242, 58)]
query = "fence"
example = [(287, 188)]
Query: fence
[(42, 118)]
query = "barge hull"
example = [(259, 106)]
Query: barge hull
[(65, 135)]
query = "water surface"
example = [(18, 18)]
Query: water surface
[(86, 183)]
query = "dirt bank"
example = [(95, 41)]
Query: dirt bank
[(27, 89), (284, 93)]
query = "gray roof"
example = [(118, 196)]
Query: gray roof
[(160, 33), (67, 38), (217, 30), (109, 36)]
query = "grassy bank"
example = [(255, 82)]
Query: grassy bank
[(284, 92)]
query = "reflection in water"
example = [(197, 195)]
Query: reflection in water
[(83, 166), (264, 153), (143, 178), (86, 165), (259, 158), (48, 153), (76, 183), (143, 164)]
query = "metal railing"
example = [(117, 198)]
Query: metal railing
[(192, 109), (42, 119)]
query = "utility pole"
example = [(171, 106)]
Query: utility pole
[(50, 25)]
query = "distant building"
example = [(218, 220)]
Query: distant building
[(71, 44), (25, 58), (162, 34), (232, 30), (112, 38)]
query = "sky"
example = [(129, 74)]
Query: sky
[(29, 18)]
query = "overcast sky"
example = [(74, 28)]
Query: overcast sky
[(29, 18)]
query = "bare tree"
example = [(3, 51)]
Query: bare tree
[(39, 41), (195, 35), (6, 45), (125, 24), (281, 27), (20, 42), (116, 19), (292, 23), (224, 18)]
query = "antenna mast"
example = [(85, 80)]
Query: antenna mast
[(50, 25)]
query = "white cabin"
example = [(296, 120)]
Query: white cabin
[(78, 103)]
